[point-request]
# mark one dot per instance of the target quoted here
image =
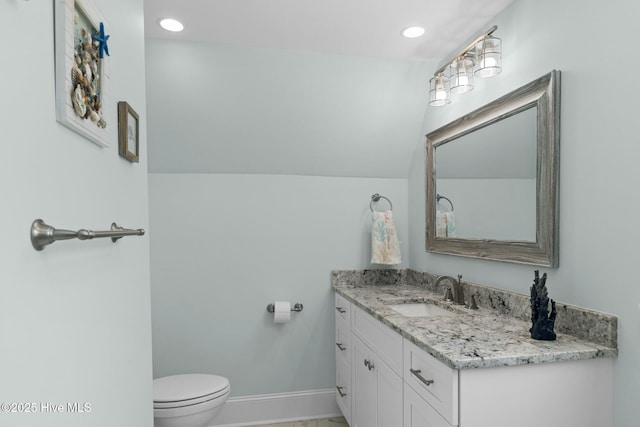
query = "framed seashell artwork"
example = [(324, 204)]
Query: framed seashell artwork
[(82, 72), (128, 132)]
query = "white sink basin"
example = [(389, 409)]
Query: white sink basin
[(420, 309)]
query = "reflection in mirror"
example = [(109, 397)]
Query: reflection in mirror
[(491, 175), (499, 167)]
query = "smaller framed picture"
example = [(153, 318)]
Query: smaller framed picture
[(128, 132)]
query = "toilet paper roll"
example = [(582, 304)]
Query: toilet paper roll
[(282, 312)]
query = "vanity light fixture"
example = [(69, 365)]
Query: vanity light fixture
[(439, 90), (482, 58), (171, 24), (488, 57), (462, 75)]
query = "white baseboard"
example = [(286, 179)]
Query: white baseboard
[(278, 408)]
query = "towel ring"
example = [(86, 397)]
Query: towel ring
[(375, 198), (438, 197)]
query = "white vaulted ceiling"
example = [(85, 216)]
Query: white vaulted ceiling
[(350, 27)]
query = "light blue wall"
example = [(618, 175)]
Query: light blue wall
[(75, 323), (291, 146), (223, 246), (589, 42), (222, 109), (502, 209)]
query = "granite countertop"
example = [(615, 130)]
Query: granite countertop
[(470, 338)]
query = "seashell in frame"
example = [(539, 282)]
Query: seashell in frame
[(77, 99), (76, 75), (87, 73), (94, 116)]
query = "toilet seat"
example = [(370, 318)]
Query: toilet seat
[(178, 391)]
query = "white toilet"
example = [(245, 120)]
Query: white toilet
[(189, 400)]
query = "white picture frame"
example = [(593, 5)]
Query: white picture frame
[(82, 78)]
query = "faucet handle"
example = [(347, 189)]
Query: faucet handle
[(448, 296), (473, 305)]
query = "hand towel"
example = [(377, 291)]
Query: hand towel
[(441, 224), (445, 224), (451, 224), (385, 247)]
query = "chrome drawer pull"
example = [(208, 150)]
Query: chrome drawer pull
[(340, 391), (369, 364), (417, 372), (341, 347), (341, 310)]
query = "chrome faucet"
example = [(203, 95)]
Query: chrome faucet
[(458, 293)]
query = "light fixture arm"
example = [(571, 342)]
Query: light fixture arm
[(466, 49)]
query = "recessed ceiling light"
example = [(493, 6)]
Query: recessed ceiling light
[(413, 32), (171, 25)]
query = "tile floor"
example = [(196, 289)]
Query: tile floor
[(330, 422)]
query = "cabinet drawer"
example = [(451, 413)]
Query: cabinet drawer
[(343, 388), (418, 413), (343, 341), (384, 341), (432, 380), (343, 308)]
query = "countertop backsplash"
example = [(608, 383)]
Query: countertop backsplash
[(589, 325)]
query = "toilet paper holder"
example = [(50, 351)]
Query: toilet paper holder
[(296, 307)]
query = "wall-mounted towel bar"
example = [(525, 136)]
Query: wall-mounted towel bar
[(375, 198), (43, 234), (438, 197), (296, 307)]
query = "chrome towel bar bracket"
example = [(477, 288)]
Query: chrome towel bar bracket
[(43, 234), (438, 197), (375, 198), (296, 307)]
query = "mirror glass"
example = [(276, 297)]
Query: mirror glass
[(492, 179), (489, 176)]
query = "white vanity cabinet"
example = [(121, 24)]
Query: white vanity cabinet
[(571, 393), (575, 393), (386, 380), (344, 352)]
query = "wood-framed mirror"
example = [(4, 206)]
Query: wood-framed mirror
[(499, 167)]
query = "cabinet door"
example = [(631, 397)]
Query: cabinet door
[(377, 390), (418, 413), (389, 396), (364, 386)]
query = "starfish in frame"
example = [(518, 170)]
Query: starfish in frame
[(102, 39)]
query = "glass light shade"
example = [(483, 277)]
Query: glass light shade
[(439, 90), (461, 75), (488, 57)]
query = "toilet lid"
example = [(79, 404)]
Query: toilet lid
[(175, 388)]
